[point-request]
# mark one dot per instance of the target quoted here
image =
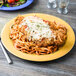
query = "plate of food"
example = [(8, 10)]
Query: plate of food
[(38, 37), (11, 5)]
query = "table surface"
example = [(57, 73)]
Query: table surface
[(65, 66)]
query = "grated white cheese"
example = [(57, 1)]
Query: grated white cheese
[(37, 28)]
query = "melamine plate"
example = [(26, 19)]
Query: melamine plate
[(61, 52)]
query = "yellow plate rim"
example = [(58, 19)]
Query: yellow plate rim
[(39, 58)]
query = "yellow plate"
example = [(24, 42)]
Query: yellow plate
[(61, 52)]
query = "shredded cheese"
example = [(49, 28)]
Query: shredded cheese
[(36, 28)]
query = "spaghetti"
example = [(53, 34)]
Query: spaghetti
[(34, 35)]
